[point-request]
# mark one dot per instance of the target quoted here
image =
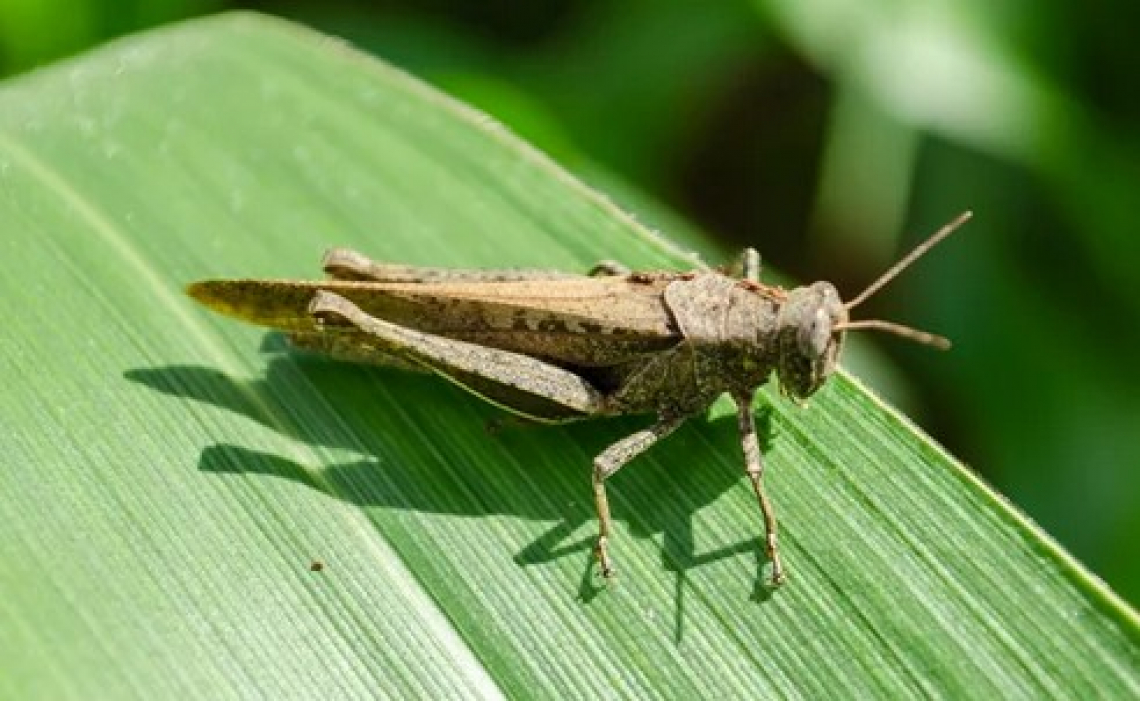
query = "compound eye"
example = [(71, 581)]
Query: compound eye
[(815, 335)]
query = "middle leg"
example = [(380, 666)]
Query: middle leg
[(610, 461)]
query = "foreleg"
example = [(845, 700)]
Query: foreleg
[(754, 467)]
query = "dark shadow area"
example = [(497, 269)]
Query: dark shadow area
[(531, 480)]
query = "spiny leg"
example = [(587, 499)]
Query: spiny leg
[(754, 467), (514, 381), (347, 264), (610, 461)]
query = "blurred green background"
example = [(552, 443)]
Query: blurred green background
[(832, 135)]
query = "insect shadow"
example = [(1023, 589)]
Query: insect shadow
[(658, 493)]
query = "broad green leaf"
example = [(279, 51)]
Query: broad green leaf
[(170, 477)]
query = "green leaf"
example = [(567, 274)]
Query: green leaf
[(171, 477)]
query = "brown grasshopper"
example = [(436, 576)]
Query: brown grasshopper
[(555, 347)]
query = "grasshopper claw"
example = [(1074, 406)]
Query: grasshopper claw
[(605, 564)]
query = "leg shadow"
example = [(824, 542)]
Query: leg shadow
[(655, 494)]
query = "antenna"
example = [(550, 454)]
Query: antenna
[(898, 267), (929, 339)]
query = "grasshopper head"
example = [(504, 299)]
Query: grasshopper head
[(809, 342), (813, 321)]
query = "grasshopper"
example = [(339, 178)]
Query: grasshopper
[(553, 346)]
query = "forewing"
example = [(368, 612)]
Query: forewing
[(580, 322)]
